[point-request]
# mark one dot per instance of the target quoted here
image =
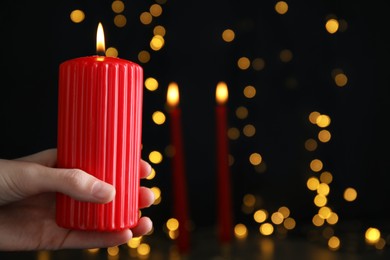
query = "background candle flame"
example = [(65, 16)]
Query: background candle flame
[(221, 93), (100, 45), (173, 94)]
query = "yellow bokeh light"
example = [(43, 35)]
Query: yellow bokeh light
[(146, 18), (312, 183), (249, 130), (258, 64), (243, 63), (255, 158), (341, 80), (324, 136), (228, 35), (323, 189), (266, 229), (151, 84), (120, 20), (155, 157), (281, 7), (333, 218), (317, 220), (157, 42), (134, 242), (350, 194), (277, 218), (151, 175), (159, 30), (313, 117), (117, 6), (334, 243), (320, 200), (323, 120), (172, 224), (155, 10), (324, 212), (144, 56), (158, 117), (157, 192), (311, 145), (249, 200), (332, 25), (113, 251), (326, 177), (240, 231), (143, 250), (111, 52), (233, 133), (372, 235), (316, 165), (249, 91), (77, 16), (289, 223), (284, 211), (260, 215), (242, 112)]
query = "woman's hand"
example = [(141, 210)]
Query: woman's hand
[(28, 189)]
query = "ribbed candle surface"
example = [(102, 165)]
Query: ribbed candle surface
[(99, 131)]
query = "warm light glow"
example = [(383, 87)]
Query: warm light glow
[(228, 35), (151, 84), (266, 229), (249, 200), (77, 16), (112, 52), (117, 6), (277, 218), (289, 223), (372, 235), (313, 117), (311, 145), (312, 183), (332, 25), (242, 112), (134, 242), (221, 93), (326, 177), (334, 243), (284, 211), (350, 194), (316, 165), (240, 231), (323, 120), (233, 133), (172, 224), (249, 91), (100, 45), (281, 7), (173, 94), (255, 158), (144, 56), (155, 10), (158, 117), (324, 212), (113, 251), (324, 136), (157, 193), (249, 130), (155, 157), (260, 216), (285, 55), (243, 63), (143, 250), (120, 20)]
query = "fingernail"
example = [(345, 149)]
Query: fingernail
[(103, 191)]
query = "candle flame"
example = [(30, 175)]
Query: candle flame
[(100, 46), (173, 94), (221, 93)]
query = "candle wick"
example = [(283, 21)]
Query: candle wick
[(100, 53)]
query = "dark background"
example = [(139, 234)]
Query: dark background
[(36, 37)]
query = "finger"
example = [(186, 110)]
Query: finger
[(33, 179), (146, 197), (144, 226), (145, 169), (47, 157), (87, 239)]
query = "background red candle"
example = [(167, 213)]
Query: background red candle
[(180, 202), (99, 131), (225, 223)]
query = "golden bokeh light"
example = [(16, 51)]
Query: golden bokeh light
[(289, 223), (228, 35), (266, 229), (155, 157), (372, 235), (146, 18), (117, 6), (157, 193), (143, 250), (172, 224), (233, 133), (242, 112), (112, 52), (157, 42), (324, 212), (333, 218), (277, 218), (285, 55), (313, 117), (320, 200), (323, 120), (240, 231), (120, 20), (151, 84), (317, 220), (258, 64), (243, 63), (134, 242), (326, 177), (316, 165), (155, 10), (311, 145), (113, 251), (281, 7), (323, 189), (260, 215), (255, 158), (332, 25), (77, 16), (151, 175), (249, 130), (324, 136), (158, 117), (144, 56), (341, 80), (249, 91), (249, 200), (312, 183), (334, 243), (350, 194), (159, 30), (284, 211)]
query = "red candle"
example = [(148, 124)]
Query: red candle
[(179, 184), (224, 202), (99, 131)]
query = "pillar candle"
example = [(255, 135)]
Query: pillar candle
[(224, 198), (99, 131), (179, 185)]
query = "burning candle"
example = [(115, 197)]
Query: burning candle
[(99, 131), (225, 225), (179, 184)]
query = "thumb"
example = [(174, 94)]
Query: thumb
[(20, 179)]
